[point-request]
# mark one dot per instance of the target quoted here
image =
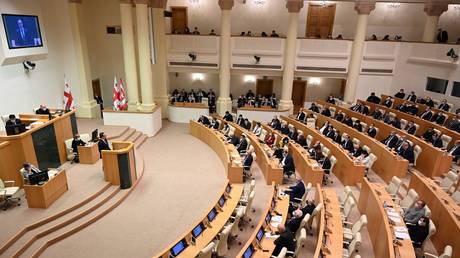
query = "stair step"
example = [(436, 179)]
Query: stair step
[(134, 136), (141, 140), (128, 134)]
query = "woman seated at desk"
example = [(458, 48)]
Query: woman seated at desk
[(419, 232)]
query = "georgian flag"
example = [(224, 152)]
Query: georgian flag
[(116, 95), (68, 98), (123, 104)]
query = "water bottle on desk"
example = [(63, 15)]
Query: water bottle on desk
[(385, 205)]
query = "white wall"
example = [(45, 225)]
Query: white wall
[(327, 86), (22, 92)]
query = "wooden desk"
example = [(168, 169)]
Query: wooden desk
[(88, 154), (267, 245), (320, 222), (44, 195), (424, 125), (388, 163), (431, 161), (270, 167), (119, 164), (191, 105), (346, 170), (309, 169), (209, 233), (371, 199), (42, 146), (331, 243), (445, 213), (227, 152)]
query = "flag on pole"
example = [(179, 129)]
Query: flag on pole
[(122, 97), (116, 95), (68, 98)]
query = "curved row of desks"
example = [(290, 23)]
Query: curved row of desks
[(269, 166), (309, 169), (388, 163), (264, 247), (346, 170), (380, 227), (424, 124), (431, 161), (211, 228), (445, 213), (421, 107), (227, 152)]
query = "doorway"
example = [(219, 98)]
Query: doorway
[(264, 87), (298, 94), (179, 20), (320, 20), (96, 87)]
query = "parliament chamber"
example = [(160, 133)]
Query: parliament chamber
[(230, 128)]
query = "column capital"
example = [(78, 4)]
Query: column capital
[(141, 2), (364, 7), (158, 3), (435, 8), (226, 4), (294, 6), (75, 1)]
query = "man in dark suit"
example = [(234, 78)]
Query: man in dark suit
[(326, 112), (77, 141), (347, 144), (391, 140), (286, 239), (284, 129), (455, 150), (314, 108), (339, 116), (293, 224), (13, 121), (428, 134), (410, 128), (296, 191), (331, 132), (406, 152), (239, 120), (377, 114), (301, 140), (396, 123), (246, 124), (429, 102), (14, 125), (214, 124), (427, 114), (330, 99), (103, 143), (402, 107), (373, 99), (242, 145), (43, 110), (444, 106), (288, 163), (388, 102), (400, 94), (301, 116), (204, 120), (357, 125), (356, 152), (454, 124), (436, 140), (412, 109), (23, 36), (247, 160), (228, 117), (439, 118), (412, 97), (371, 131), (348, 121)]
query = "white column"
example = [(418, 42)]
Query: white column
[(143, 44), (160, 71), (224, 103), (86, 105), (290, 51), (354, 67), (433, 11), (129, 54)]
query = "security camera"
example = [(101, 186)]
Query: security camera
[(452, 54), (28, 66), (257, 58), (192, 56)]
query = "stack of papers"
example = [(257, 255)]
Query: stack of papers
[(401, 233), (394, 216), (276, 220)]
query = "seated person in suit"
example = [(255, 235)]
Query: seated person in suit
[(419, 232), (292, 132), (301, 140), (400, 94), (454, 124), (316, 148), (439, 118), (412, 97), (326, 112), (77, 141), (402, 107), (257, 130), (363, 158), (410, 128), (331, 132), (388, 102), (103, 143), (275, 123), (330, 99), (214, 124), (337, 137), (436, 140), (43, 110), (391, 140), (27, 170), (325, 128), (414, 213), (269, 139), (396, 123), (428, 135), (12, 121), (347, 144), (412, 109), (307, 209), (286, 239), (302, 115), (455, 150), (240, 120), (225, 130), (357, 125), (287, 162), (373, 99), (243, 144), (339, 116), (293, 224), (284, 128), (371, 131), (377, 114), (246, 124), (399, 143), (204, 120), (296, 191), (228, 117), (357, 150), (348, 121), (429, 102), (314, 108), (444, 106), (406, 152), (247, 160)]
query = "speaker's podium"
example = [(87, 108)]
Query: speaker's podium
[(120, 164)]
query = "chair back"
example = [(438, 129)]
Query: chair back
[(250, 199), (348, 207), (394, 185), (315, 212), (222, 245), (359, 225), (356, 141), (427, 211), (344, 195), (445, 140), (326, 151), (372, 159), (366, 148), (449, 180), (431, 231), (355, 244), (376, 131), (333, 160), (447, 253), (303, 223), (282, 253), (263, 134), (364, 125), (436, 131), (309, 140), (311, 122), (456, 196), (300, 241), (403, 123), (206, 252), (2, 184), (417, 151), (410, 199), (236, 222)]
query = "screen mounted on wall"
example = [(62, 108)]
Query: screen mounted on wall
[(456, 90), (22, 31), (436, 85)]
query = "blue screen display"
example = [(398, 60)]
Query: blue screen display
[(268, 218), (249, 252), (22, 31), (178, 248), (212, 215), (196, 232), (229, 188), (260, 234), (222, 201)]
